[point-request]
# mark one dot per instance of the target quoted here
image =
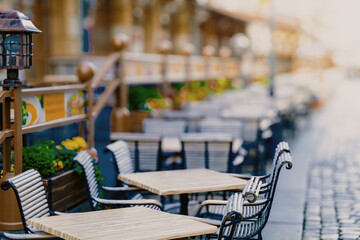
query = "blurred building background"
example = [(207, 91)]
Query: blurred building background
[(253, 29)]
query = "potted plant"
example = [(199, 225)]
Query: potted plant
[(65, 187)]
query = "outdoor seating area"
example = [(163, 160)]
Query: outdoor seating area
[(245, 214), (173, 119)]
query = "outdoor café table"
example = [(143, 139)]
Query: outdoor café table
[(121, 223), (183, 182)]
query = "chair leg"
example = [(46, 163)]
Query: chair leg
[(260, 236)]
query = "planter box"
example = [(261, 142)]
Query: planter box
[(136, 119), (66, 190)]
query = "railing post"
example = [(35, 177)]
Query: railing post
[(188, 51), (164, 48), (10, 215), (18, 143), (224, 54), (120, 115), (208, 52), (85, 72)]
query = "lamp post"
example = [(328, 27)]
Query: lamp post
[(16, 44)]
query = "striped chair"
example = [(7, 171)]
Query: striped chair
[(233, 127), (247, 221), (124, 163), (205, 150), (121, 152), (134, 199), (215, 209), (31, 198), (145, 150), (164, 127)]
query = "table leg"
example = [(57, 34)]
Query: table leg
[(184, 200)]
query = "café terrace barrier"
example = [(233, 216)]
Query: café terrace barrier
[(35, 109)]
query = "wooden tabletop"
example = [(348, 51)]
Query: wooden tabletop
[(183, 181), (122, 223)]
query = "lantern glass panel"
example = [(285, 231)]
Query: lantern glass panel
[(12, 43), (15, 50)]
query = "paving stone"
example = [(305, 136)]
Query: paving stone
[(349, 236), (329, 236), (311, 238)]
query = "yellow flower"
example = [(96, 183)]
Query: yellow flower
[(80, 141), (12, 168), (74, 145), (55, 163), (60, 164), (59, 147), (69, 144)]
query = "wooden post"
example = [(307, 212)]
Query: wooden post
[(164, 48), (16, 91), (120, 115), (224, 54), (7, 141), (208, 51), (85, 72), (10, 215), (188, 51)]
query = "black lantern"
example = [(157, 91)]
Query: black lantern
[(16, 31)]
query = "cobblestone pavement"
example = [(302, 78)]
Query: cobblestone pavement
[(332, 205)]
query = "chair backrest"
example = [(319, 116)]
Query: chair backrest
[(282, 157), (86, 162), (121, 152), (232, 216), (164, 127), (30, 194), (212, 151), (234, 211), (207, 109), (145, 150), (216, 125)]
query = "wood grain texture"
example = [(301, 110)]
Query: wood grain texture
[(66, 190), (123, 223), (183, 181)]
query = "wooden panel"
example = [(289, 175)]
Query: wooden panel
[(123, 223), (136, 119), (71, 201), (66, 191)]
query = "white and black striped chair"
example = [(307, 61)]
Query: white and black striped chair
[(205, 150), (215, 208), (124, 164), (233, 127), (233, 211), (164, 127), (31, 197), (135, 199), (249, 222), (169, 130), (145, 150)]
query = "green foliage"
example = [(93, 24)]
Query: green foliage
[(138, 96), (39, 157), (178, 86), (77, 168)]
